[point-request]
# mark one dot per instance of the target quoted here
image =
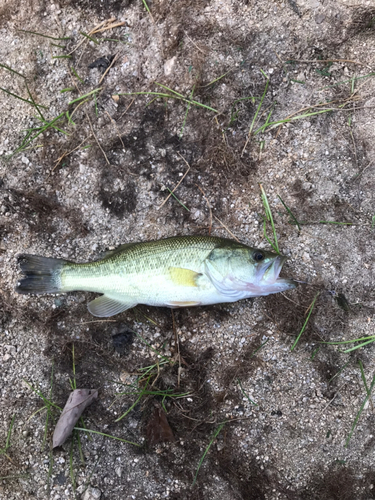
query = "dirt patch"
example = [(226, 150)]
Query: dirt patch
[(186, 87)]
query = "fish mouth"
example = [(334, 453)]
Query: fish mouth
[(271, 273)]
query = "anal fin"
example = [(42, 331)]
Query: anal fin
[(173, 304), (104, 306)]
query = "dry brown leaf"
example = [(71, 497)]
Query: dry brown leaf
[(77, 402), (158, 429)]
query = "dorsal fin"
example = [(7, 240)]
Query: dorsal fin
[(119, 249)]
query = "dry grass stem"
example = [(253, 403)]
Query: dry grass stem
[(225, 227), (126, 110), (209, 207), (174, 189), (96, 139), (195, 45), (118, 132), (325, 61), (109, 67)]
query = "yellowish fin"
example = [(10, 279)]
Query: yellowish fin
[(183, 277), (179, 303)]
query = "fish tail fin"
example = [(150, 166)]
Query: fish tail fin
[(41, 274)]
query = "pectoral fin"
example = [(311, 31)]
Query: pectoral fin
[(104, 306), (183, 277)]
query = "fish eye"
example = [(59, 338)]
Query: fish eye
[(258, 255)]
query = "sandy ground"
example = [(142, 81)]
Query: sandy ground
[(99, 179)]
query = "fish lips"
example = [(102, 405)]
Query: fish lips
[(269, 273)]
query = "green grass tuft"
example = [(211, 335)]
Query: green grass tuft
[(171, 95), (4, 451), (362, 342), (268, 218), (244, 393), (368, 395)]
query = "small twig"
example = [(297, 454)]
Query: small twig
[(115, 25), (127, 108), (96, 139), (324, 61), (216, 80), (174, 189), (334, 397), (65, 154), (84, 39), (225, 227), (222, 131), (109, 67), (310, 107), (195, 45), (277, 55), (290, 300), (118, 132), (360, 173), (209, 207), (98, 29), (354, 146)]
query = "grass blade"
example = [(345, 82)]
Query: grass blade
[(47, 402), (32, 99), (3, 451), (244, 393), (32, 103), (272, 125), (364, 341), (290, 213), (311, 307), (186, 112), (12, 70), (216, 80), (269, 217), (368, 394), (27, 141), (136, 402), (146, 7), (358, 346), (76, 75), (337, 223), (84, 96), (89, 37), (46, 36), (107, 435), (174, 95), (175, 197), (260, 104), (217, 432)]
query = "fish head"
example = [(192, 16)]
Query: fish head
[(247, 272)]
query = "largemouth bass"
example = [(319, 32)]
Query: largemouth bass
[(175, 272)]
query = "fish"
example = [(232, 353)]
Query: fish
[(181, 271)]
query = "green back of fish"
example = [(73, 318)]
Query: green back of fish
[(141, 258)]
